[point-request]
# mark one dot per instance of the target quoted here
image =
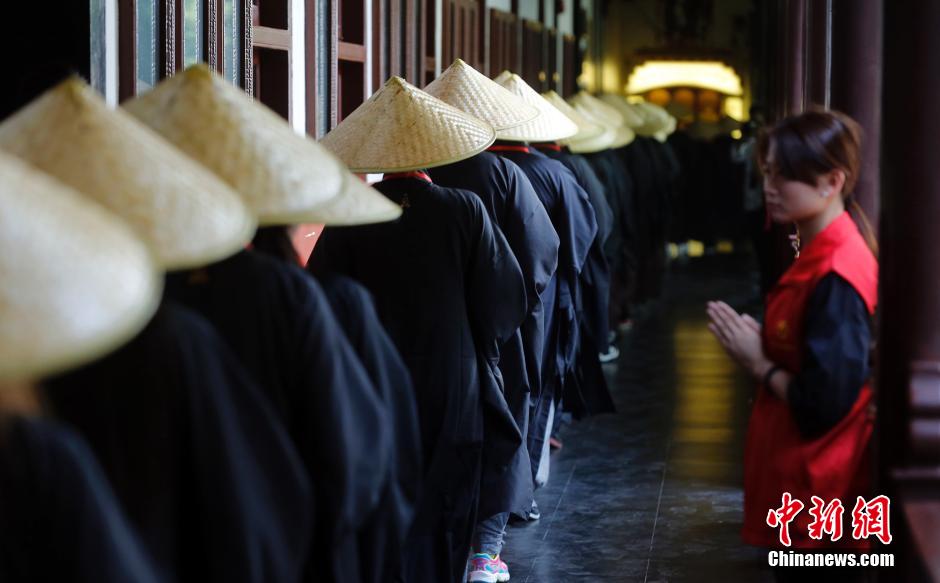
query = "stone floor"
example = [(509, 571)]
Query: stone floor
[(653, 493)]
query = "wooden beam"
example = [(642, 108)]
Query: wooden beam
[(351, 52), (127, 49), (271, 38)]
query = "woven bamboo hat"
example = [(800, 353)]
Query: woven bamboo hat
[(593, 145), (664, 134), (656, 119), (473, 92), (184, 212), (58, 314), (551, 125), (602, 112), (402, 128), (621, 135), (630, 117), (357, 205), (587, 128), (283, 177)]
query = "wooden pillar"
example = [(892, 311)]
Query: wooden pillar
[(857, 28), (819, 53), (795, 70), (909, 363)]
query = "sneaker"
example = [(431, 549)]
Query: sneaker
[(611, 355), (533, 513), (487, 569)]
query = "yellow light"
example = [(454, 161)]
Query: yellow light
[(586, 80), (610, 76), (736, 134), (734, 107), (696, 248), (724, 247), (704, 74)]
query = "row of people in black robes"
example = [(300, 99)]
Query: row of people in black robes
[(261, 426), (271, 426)]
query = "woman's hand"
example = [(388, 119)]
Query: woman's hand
[(739, 336)]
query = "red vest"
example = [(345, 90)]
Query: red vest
[(776, 458)]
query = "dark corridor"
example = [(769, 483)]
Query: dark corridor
[(653, 493)]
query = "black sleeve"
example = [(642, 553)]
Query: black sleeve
[(835, 357)]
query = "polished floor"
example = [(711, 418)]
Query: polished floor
[(653, 493)]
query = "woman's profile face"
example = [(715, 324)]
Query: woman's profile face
[(788, 200)]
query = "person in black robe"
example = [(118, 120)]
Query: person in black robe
[(664, 170), (381, 536), (586, 390), (279, 324), (621, 247), (450, 293), (59, 520), (570, 211), (637, 159), (196, 457), (515, 209)]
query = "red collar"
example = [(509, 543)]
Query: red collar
[(547, 146), (416, 174), (834, 233), (505, 148)]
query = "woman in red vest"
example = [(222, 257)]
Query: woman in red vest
[(811, 422)]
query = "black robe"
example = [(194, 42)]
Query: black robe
[(621, 248), (570, 211), (586, 391), (198, 460), (59, 520), (595, 277), (449, 292), (281, 327), (381, 539), (516, 210), (657, 165)]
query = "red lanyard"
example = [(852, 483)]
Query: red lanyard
[(503, 148), (553, 147), (416, 174)]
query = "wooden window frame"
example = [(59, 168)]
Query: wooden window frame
[(344, 54), (570, 69), (462, 32), (169, 60), (504, 46)]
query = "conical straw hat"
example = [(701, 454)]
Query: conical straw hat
[(501, 79), (74, 281), (592, 145), (656, 119), (473, 92), (551, 124), (622, 135), (587, 128), (606, 114), (360, 204), (664, 134), (282, 176), (630, 116), (184, 212), (402, 128)]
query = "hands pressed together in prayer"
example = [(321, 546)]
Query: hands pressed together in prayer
[(740, 336)]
